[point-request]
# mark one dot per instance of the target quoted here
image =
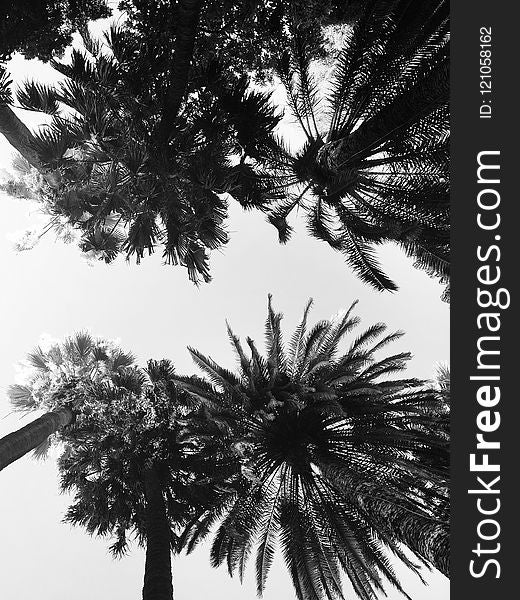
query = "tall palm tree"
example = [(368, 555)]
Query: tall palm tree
[(341, 461), (136, 158), (54, 385), (375, 164), (144, 460)]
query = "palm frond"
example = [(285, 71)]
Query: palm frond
[(296, 344), (6, 96), (217, 374), (21, 397), (275, 353), (39, 97), (42, 450)]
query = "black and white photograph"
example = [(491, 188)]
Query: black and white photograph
[(225, 313)]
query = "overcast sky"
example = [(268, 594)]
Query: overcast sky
[(156, 312)]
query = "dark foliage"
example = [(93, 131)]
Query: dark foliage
[(375, 166), (43, 28), (249, 35), (341, 463), (131, 177), (139, 420)]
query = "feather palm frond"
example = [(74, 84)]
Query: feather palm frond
[(313, 432)]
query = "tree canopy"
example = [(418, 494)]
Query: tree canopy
[(150, 135), (56, 376), (375, 164), (138, 419), (342, 460), (248, 35), (140, 455), (44, 28), (131, 168), (322, 448)]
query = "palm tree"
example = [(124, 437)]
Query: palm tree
[(340, 463), (375, 164), (144, 460), (54, 385), (14, 130), (134, 159)]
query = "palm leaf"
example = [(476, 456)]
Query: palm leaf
[(39, 97), (21, 397)]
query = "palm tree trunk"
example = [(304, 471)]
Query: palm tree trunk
[(15, 445), (158, 566), (19, 136), (188, 12), (423, 98)]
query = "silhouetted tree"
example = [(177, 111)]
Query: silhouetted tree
[(375, 164), (43, 28), (133, 160), (248, 35), (144, 460), (341, 463)]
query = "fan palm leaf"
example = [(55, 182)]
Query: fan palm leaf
[(141, 163)]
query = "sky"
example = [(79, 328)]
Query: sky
[(155, 312)]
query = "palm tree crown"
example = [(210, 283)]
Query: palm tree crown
[(375, 164), (141, 418), (339, 464), (54, 377), (135, 166), (144, 460)]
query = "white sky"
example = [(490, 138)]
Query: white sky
[(156, 312)]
